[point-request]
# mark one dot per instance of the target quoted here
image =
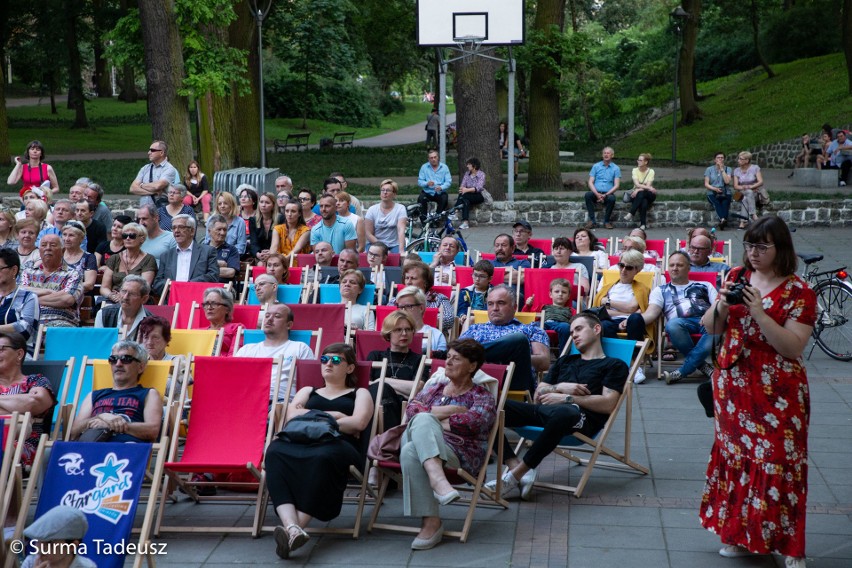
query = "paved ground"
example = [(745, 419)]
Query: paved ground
[(623, 519)]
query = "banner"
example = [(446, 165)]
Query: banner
[(104, 481)]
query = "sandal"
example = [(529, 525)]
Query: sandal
[(298, 537), (670, 356)]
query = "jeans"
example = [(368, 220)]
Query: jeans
[(562, 329), (679, 330), (468, 200), (642, 202), (721, 202), (635, 327), (516, 348), (609, 205)]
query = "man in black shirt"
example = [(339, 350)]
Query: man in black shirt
[(522, 233), (577, 395)]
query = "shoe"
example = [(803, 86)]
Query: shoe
[(707, 369), (628, 216), (608, 226), (427, 543), (282, 542), (453, 217), (298, 537), (734, 551), (464, 226), (590, 225), (447, 498), (791, 174), (510, 487), (639, 377), (527, 483), (742, 226), (643, 227), (672, 377), (794, 562), (723, 224), (203, 490), (842, 184)]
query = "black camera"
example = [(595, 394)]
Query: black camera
[(735, 293)]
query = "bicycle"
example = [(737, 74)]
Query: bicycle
[(833, 327), (436, 227)]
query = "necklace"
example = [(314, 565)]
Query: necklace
[(394, 369), (128, 263)]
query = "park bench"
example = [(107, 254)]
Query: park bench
[(295, 140), (343, 139)]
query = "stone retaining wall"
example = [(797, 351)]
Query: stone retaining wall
[(779, 154)]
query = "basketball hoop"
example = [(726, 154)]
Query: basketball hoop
[(468, 45)]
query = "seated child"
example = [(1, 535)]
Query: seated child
[(474, 296), (557, 316)]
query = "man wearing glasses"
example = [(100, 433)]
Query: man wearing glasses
[(189, 261), (130, 310), (158, 241), (127, 412), (700, 247), (154, 178)]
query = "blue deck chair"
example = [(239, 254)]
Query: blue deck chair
[(428, 257), (330, 294), (287, 294), (632, 353), (306, 336)]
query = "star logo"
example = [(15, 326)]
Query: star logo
[(110, 468)]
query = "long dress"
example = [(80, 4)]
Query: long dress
[(757, 479), (313, 477)]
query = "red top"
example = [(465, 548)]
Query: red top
[(33, 176)]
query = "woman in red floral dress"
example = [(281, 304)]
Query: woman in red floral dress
[(757, 480)]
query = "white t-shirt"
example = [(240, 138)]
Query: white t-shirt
[(621, 292), (688, 300), (384, 225), (439, 342), (288, 351)]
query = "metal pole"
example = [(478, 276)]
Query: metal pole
[(442, 107), (674, 95), (510, 161), (259, 16)]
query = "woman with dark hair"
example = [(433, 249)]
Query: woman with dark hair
[(587, 244), (23, 393), (198, 190), (562, 251), (470, 189), (115, 244), (155, 333), (307, 200), (276, 266), (294, 235), (31, 169), (755, 497), (262, 227), (448, 425), (419, 275), (308, 480)]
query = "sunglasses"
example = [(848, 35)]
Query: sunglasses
[(333, 359), (622, 266), (125, 359), (131, 236)]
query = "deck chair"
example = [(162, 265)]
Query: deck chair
[(330, 294), (15, 429), (248, 316), (311, 338), (60, 375), (185, 293), (287, 294), (238, 448), (537, 285), (431, 317), (307, 260), (464, 276), (331, 318), (661, 326), (294, 273), (169, 313), (632, 353), (116, 470), (474, 483), (721, 250), (308, 374), (367, 341), (544, 244), (188, 342), (591, 268), (481, 316)]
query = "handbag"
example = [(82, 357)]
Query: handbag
[(600, 312), (738, 195), (313, 427), (486, 195), (625, 197), (385, 446), (96, 435)]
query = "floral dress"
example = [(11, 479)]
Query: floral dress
[(757, 479)]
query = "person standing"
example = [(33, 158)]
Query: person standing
[(154, 178), (31, 169), (434, 180), (604, 181), (755, 496), (717, 181), (386, 221), (433, 123)]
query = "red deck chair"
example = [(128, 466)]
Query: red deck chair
[(544, 244), (537, 282), (490, 256), (464, 276), (429, 318), (366, 341), (185, 293), (170, 313), (295, 273), (330, 317), (462, 480), (306, 260), (236, 448)]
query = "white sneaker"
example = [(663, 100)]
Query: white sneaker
[(464, 226), (510, 486), (734, 551), (527, 483), (842, 184), (639, 377), (794, 562), (628, 216)]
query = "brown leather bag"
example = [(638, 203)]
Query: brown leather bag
[(385, 446)]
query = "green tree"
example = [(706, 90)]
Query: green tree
[(689, 110), (846, 33)]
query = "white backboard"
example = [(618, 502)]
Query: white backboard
[(498, 22)]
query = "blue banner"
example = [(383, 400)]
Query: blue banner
[(104, 481)]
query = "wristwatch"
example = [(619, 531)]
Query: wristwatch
[(569, 399)]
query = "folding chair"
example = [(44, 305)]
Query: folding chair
[(614, 259), (311, 338), (294, 273), (331, 318), (367, 341), (309, 374), (431, 317), (236, 449), (248, 316), (721, 250), (457, 477), (188, 342), (537, 285), (15, 429), (56, 372), (185, 293), (330, 294), (109, 477), (287, 294), (591, 268), (169, 313), (491, 257), (481, 316), (632, 353), (544, 244), (307, 260), (464, 276)]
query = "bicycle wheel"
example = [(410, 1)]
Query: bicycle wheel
[(833, 329), (424, 244)]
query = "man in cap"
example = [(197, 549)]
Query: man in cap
[(55, 537)]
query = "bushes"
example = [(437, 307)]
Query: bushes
[(802, 31)]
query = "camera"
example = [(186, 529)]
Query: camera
[(735, 294)]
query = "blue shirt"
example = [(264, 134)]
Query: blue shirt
[(441, 177), (514, 263), (605, 176), (488, 332), (714, 177), (337, 235), (231, 256)]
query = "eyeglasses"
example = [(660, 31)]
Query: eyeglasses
[(4, 267), (154, 150), (373, 254), (304, 199), (759, 248), (402, 330), (125, 359), (4, 347), (622, 266), (210, 305), (480, 276), (131, 236), (408, 307), (333, 359), (179, 227), (698, 248)]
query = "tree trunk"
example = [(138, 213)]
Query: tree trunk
[(543, 130), (75, 68), (127, 92), (102, 79), (167, 110), (474, 90), (243, 35), (581, 82), (689, 111), (522, 100), (5, 149), (846, 34), (755, 36)]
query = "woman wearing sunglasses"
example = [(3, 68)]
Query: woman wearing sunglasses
[(625, 300), (132, 260), (218, 306), (308, 480)]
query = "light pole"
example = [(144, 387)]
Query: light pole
[(677, 18), (260, 14)]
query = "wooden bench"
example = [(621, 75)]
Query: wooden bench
[(343, 139), (296, 140)]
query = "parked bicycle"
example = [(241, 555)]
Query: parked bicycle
[(833, 328), (436, 227)]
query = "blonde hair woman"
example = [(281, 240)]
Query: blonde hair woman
[(7, 230), (226, 206), (747, 180), (132, 260)]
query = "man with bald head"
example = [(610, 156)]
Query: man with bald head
[(346, 260), (59, 287), (699, 249)]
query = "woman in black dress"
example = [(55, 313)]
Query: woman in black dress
[(307, 481), (403, 363)]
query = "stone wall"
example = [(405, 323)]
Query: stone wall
[(779, 154)]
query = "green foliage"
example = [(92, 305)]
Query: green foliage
[(390, 105), (805, 30), (124, 42)]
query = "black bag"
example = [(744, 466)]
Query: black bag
[(96, 435), (313, 427), (600, 312)]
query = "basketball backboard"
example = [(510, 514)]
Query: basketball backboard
[(491, 22)]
